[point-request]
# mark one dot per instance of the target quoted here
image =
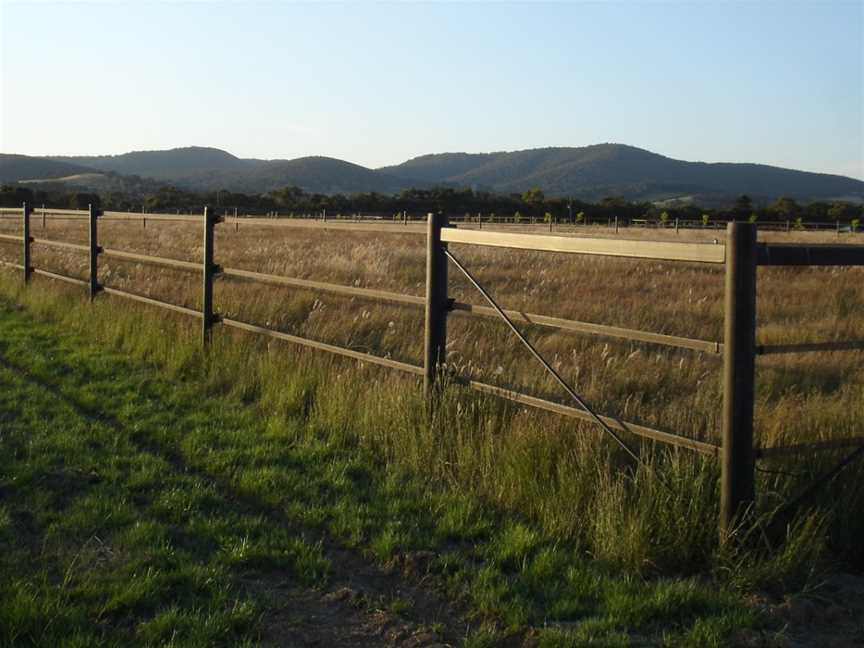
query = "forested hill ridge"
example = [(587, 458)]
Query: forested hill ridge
[(14, 168), (205, 169), (585, 173), (593, 172)]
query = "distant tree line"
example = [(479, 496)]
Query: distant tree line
[(455, 202)]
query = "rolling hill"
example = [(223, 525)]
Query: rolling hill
[(14, 168), (593, 172), (204, 168), (588, 173), (315, 174)]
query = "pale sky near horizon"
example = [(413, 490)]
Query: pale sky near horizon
[(777, 83)]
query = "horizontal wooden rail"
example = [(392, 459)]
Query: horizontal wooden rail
[(706, 346), (799, 448), (153, 302), (572, 412), (145, 258), (378, 225), (60, 277), (85, 218), (772, 349), (389, 227), (321, 346), (9, 264), (52, 210), (352, 291), (62, 244), (136, 220), (11, 237), (660, 250), (135, 217), (783, 254)]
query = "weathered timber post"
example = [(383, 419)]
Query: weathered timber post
[(28, 240), (676, 225), (210, 270), (43, 217), (739, 354), (94, 251), (435, 344), (616, 224)]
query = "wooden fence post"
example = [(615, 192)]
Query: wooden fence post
[(209, 271), (739, 354), (435, 343), (94, 251), (28, 240), (43, 217)]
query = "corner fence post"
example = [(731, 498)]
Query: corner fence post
[(739, 354), (209, 272), (94, 251), (435, 339), (28, 240)]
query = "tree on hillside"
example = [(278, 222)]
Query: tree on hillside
[(844, 211), (743, 207), (785, 209), (83, 200), (15, 196), (533, 196)]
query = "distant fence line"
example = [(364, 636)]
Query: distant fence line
[(739, 255), (479, 219)]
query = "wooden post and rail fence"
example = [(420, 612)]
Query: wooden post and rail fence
[(740, 255)]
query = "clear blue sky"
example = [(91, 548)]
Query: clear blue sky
[(777, 83)]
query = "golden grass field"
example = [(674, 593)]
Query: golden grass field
[(674, 389), (800, 397)]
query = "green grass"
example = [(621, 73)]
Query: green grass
[(143, 484)]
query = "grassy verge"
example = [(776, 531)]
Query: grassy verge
[(149, 483)]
